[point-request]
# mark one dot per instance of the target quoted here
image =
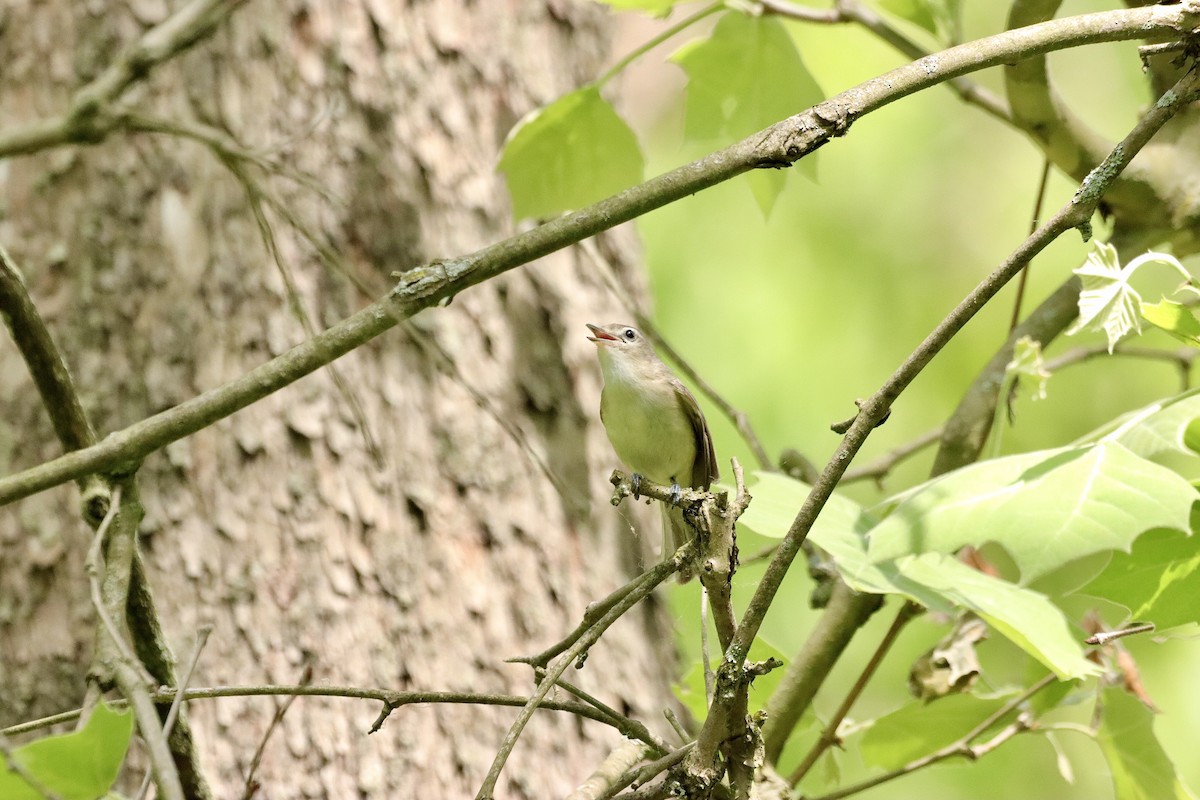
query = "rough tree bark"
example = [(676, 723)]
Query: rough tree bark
[(477, 531)]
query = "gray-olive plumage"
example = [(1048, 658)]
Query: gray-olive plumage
[(653, 421)]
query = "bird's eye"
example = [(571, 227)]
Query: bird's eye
[(630, 334)]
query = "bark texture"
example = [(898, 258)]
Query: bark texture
[(440, 510)]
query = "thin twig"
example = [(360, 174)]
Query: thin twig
[(1104, 637), (620, 760), (202, 635), (829, 736), (112, 661), (389, 697), (252, 785), (225, 148), (256, 195), (851, 11), (1182, 357), (961, 747), (880, 467), (92, 567), (45, 361), (677, 726), (646, 772), (655, 41), (555, 670), (705, 653), (1023, 279), (594, 612), (630, 728)]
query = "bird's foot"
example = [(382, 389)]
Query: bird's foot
[(676, 494), (635, 483)]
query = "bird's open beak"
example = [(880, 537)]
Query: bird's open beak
[(601, 336)]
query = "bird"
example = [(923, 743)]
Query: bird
[(654, 423)]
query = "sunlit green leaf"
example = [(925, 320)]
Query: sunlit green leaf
[(1027, 362), (1024, 617), (765, 185), (1175, 318), (1141, 769), (937, 581), (571, 153), (918, 729), (1107, 302), (1156, 429), (1158, 581), (746, 76), (777, 498), (919, 12), (1045, 508), (81, 765)]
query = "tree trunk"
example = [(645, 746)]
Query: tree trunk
[(435, 503)]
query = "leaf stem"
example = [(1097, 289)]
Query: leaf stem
[(650, 44)]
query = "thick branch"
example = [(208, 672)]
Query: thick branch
[(966, 432), (846, 11), (556, 669), (845, 613), (780, 145), (1068, 141), (42, 356), (843, 616), (829, 734)]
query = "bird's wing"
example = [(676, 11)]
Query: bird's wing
[(704, 467)]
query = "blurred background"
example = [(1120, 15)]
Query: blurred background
[(793, 317)]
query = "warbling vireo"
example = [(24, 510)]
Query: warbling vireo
[(653, 422)]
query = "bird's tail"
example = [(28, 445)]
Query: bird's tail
[(677, 533)]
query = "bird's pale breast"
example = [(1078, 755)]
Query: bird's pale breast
[(649, 430)]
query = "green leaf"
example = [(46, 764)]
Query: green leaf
[(659, 8), (81, 765), (936, 581), (918, 729), (1045, 508), (1174, 318), (1027, 362), (766, 185), (919, 12), (777, 498), (839, 530), (1158, 581), (569, 154), (1140, 768), (1023, 616), (746, 76), (1107, 302), (1157, 429)]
